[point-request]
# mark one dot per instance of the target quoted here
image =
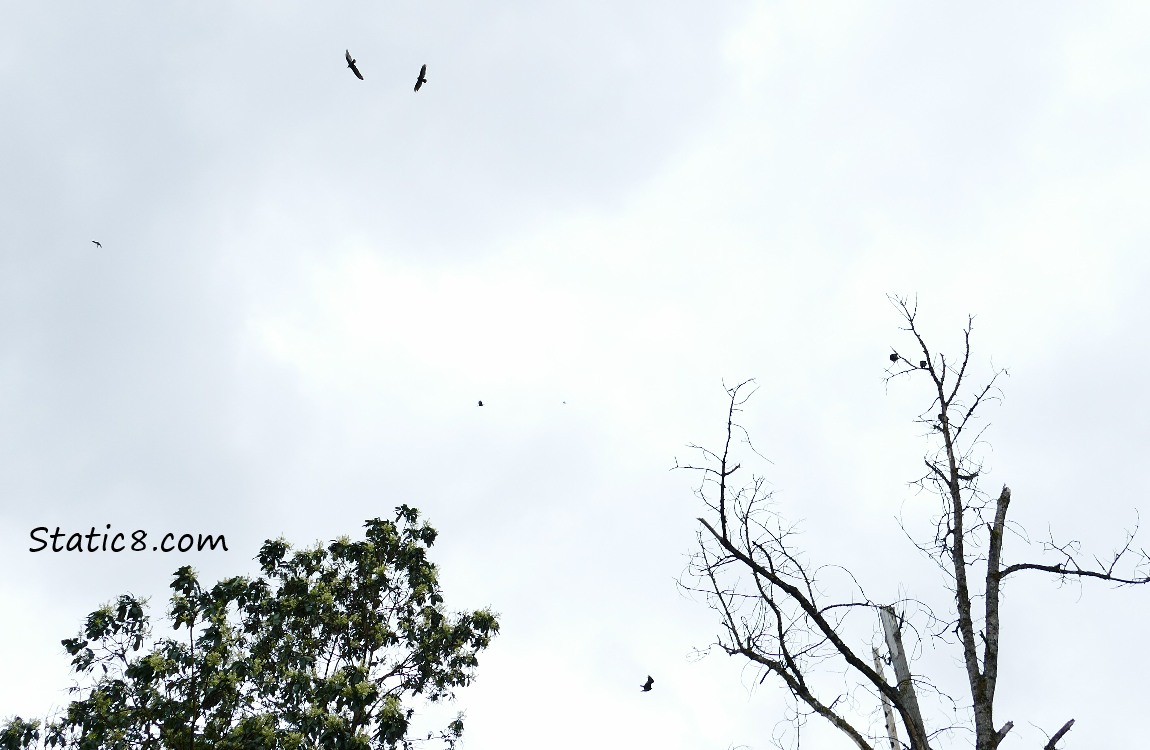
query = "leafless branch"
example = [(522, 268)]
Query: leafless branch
[(1052, 744), (774, 606)]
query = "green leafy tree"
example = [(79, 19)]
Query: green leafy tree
[(330, 648)]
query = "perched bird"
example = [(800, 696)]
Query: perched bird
[(647, 685), (481, 403), (894, 357), (351, 64), (97, 244), (422, 77), (922, 363)]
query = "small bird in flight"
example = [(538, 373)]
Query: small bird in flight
[(647, 685), (894, 357), (422, 77), (481, 403), (97, 244), (351, 64)]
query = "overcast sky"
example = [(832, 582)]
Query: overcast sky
[(591, 217)]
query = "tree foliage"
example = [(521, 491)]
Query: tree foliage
[(773, 604), (329, 648)]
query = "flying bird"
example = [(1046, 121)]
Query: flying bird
[(351, 64), (422, 77), (97, 244), (481, 403), (894, 357), (647, 685)]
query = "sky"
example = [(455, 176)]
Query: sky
[(592, 217)]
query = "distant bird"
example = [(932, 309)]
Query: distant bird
[(422, 77), (481, 403), (351, 64), (647, 685), (922, 363), (894, 357), (97, 244)]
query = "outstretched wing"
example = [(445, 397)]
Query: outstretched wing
[(347, 56)]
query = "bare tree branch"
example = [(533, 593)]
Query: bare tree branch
[(772, 602), (1058, 735)]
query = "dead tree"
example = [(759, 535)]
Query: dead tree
[(771, 600)]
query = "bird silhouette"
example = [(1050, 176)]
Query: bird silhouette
[(97, 244), (351, 64), (894, 357), (922, 363), (647, 685), (481, 403), (422, 77)]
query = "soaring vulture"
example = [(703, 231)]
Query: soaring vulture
[(647, 685), (97, 244), (422, 77), (351, 64)]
